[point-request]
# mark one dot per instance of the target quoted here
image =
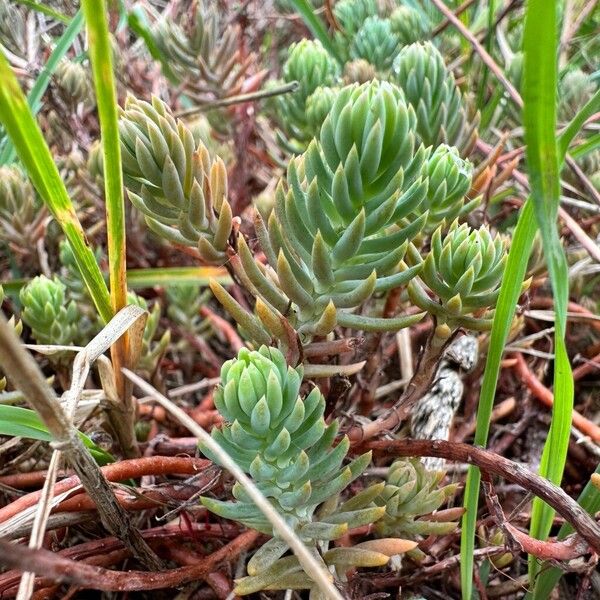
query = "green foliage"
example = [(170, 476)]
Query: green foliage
[(74, 82), (464, 269), (351, 14), (46, 311), (200, 48), (185, 301), (23, 422), (181, 191), (409, 25), (576, 89), (429, 87), (412, 491)]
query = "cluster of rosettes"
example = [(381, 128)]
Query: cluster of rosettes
[(342, 220), (22, 218), (299, 114), (419, 70), (282, 441), (202, 50), (375, 31), (411, 492)]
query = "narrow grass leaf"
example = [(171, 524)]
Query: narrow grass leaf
[(45, 10), (173, 276), (574, 127), (516, 266), (100, 52), (7, 154), (24, 422), (34, 153), (316, 26), (540, 44)]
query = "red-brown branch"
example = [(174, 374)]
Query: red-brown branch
[(125, 469), (57, 568), (542, 393)]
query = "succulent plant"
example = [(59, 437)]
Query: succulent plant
[(464, 269), (376, 42), (74, 81), (15, 33), (338, 232), (409, 25), (179, 188), (312, 67), (201, 49), (52, 319), (412, 492), (430, 88), (318, 106), (22, 219), (449, 180), (282, 441)]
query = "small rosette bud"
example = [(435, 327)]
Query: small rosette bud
[(464, 269), (51, 318)]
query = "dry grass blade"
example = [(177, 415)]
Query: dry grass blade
[(321, 577)]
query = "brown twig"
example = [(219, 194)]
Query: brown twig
[(424, 375), (121, 471), (57, 568), (488, 461), (568, 549)]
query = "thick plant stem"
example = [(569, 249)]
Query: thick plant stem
[(418, 386), (24, 373)]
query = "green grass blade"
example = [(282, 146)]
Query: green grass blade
[(516, 266), (316, 27), (509, 294), (24, 422), (583, 149), (138, 23), (7, 155), (45, 10), (100, 52), (35, 155), (540, 45), (146, 278), (574, 127), (169, 276)]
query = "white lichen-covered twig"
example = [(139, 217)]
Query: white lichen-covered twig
[(433, 413)]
